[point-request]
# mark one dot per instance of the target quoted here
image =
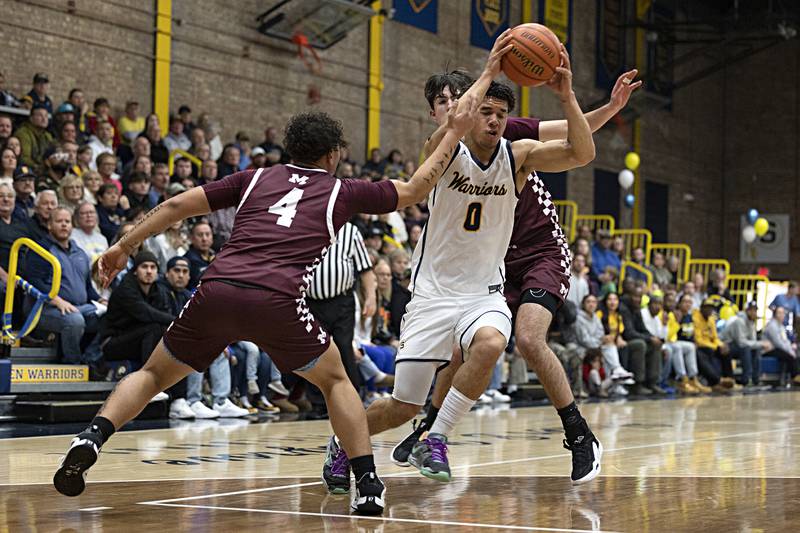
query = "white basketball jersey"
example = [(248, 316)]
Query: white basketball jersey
[(464, 242)]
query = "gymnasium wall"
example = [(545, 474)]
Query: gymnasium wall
[(729, 141)]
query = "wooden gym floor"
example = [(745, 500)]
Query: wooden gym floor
[(708, 464)]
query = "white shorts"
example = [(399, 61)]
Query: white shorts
[(431, 328)]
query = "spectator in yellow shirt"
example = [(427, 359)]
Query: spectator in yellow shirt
[(131, 124), (709, 346)]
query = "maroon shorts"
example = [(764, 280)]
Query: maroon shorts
[(535, 273), (220, 314)]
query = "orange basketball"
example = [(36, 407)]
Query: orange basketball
[(533, 59)]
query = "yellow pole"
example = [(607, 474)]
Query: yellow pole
[(642, 6), (525, 93), (163, 61), (375, 82)]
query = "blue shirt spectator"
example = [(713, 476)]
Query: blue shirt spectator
[(602, 254), (71, 313)]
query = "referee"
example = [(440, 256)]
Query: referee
[(330, 295)]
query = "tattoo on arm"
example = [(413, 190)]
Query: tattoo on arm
[(124, 241), (438, 167)]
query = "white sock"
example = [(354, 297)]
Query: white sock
[(512, 388), (453, 409)]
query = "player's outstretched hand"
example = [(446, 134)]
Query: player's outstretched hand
[(623, 88), (111, 263), (501, 47), (561, 82), (462, 121)]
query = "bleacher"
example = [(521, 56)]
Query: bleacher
[(742, 287)]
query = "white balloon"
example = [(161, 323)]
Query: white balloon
[(626, 178), (749, 234)]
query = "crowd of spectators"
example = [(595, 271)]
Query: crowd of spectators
[(75, 178)]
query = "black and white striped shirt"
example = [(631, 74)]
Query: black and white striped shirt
[(345, 259)]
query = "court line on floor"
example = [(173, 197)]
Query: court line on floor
[(384, 519), (468, 466)]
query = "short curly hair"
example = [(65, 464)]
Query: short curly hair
[(310, 136)]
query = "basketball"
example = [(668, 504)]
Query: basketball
[(534, 57)]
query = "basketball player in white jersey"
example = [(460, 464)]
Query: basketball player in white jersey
[(458, 269)]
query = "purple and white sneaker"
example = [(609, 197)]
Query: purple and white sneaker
[(336, 471), (430, 457)]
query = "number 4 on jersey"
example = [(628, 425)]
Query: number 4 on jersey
[(286, 207)]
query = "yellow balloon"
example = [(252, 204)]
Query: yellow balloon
[(761, 226), (632, 160)]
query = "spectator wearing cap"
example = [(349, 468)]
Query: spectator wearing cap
[(71, 313), (740, 334), (131, 124), (258, 158), (38, 94), (6, 126), (109, 213), (65, 113), (271, 145), (34, 139), (86, 232), (102, 113), (200, 253), (11, 229), (8, 165), (24, 185), (185, 114), (176, 139), (56, 166), (791, 304), (710, 347), (138, 193), (374, 238), (603, 256), (6, 98), (138, 313), (26, 102), (243, 144), (782, 347), (102, 142)]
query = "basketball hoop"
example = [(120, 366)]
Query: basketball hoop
[(313, 62)]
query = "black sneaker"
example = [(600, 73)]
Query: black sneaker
[(401, 452), (586, 454), (81, 455), (370, 494), (430, 457), (336, 471)]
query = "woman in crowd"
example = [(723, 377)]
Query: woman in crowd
[(228, 163), (661, 275), (70, 192), (8, 166), (91, 186), (173, 242)]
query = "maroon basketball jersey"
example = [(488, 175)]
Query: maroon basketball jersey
[(536, 231), (286, 218)]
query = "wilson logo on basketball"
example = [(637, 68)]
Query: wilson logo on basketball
[(540, 43), (527, 63)]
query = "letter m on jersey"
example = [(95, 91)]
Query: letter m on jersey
[(297, 179)]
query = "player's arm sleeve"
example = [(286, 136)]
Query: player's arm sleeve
[(358, 196), (522, 128), (228, 191)]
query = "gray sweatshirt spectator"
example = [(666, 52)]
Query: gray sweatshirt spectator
[(775, 332), (741, 331)]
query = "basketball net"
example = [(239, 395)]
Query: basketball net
[(313, 63)]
